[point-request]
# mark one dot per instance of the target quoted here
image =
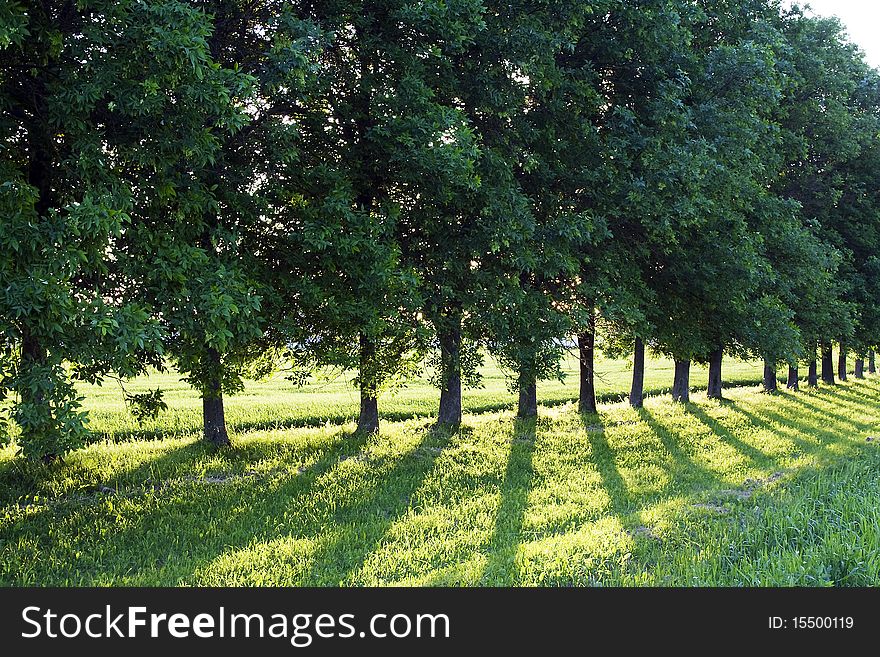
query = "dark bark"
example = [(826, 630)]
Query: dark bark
[(860, 368), (681, 385), (450, 363), (41, 144), (872, 366), (41, 153), (587, 355), (793, 383), (528, 396), (33, 354), (841, 362), (770, 383), (215, 421), (637, 390), (813, 374), (713, 391), (213, 415), (368, 420), (827, 364)]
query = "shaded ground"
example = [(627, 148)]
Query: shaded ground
[(758, 489)]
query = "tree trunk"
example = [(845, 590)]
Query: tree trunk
[(827, 364), (770, 383), (41, 159), (812, 374), (212, 404), (714, 389), (860, 368), (793, 383), (841, 362), (587, 352), (450, 363), (34, 355), (528, 396), (872, 367), (681, 385), (368, 420), (637, 391)]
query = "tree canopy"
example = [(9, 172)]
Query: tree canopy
[(236, 187)]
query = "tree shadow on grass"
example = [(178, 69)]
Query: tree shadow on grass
[(622, 505), (765, 419), (755, 455), (604, 460), (850, 397), (835, 418), (684, 468), (39, 510), (20, 478), (363, 521), (685, 477), (173, 509), (501, 568)]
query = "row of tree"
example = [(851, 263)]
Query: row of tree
[(235, 186)]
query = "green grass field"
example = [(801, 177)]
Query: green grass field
[(756, 490), (279, 404)]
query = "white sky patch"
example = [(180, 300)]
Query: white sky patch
[(861, 19)]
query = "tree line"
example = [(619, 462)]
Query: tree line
[(238, 186)]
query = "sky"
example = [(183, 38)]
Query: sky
[(862, 21)]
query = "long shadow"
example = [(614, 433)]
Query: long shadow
[(800, 399), (238, 518), (757, 456), (862, 408), (237, 458), (501, 568), (340, 557), (28, 486), (21, 479), (603, 458), (683, 464), (789, 420), (837, 418), (764, 419), (851, 396)]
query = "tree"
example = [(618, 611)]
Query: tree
[(531, 98), (856, 224), (382, 143), (94, 97), (735, 283), (198, 251), (708, 263), (630, 53), (819, 133)]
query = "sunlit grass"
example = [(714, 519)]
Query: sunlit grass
[(756, 490), (278, 403)]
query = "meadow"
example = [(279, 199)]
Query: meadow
[(757, 489)]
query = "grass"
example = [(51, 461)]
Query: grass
[(757, 490), (278, 404)]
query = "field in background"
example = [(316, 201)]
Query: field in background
[(277, 403)]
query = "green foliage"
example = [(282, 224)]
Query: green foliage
[(146, 406), (242, 187), (822, 134), (469, 362), (92, 116), (200, 251)]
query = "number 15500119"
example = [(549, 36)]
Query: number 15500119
[(811, 623)]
